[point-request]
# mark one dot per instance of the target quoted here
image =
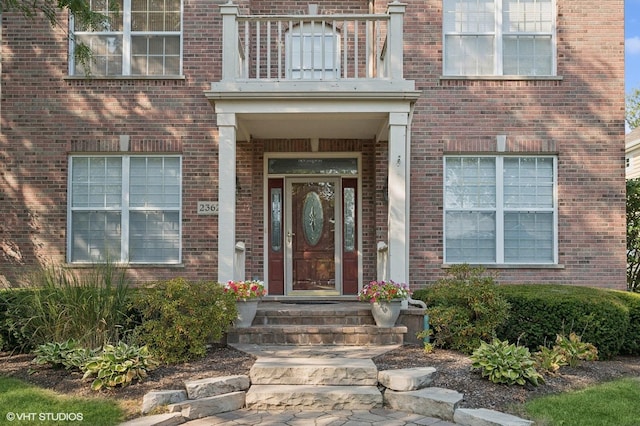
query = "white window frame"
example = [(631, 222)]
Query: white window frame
[(498, 35), (126, 36), (499, 210), (124, 210)]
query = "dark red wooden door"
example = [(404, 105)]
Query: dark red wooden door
[(313, 235)]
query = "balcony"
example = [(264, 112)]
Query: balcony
[(313, 75), (325, 55)]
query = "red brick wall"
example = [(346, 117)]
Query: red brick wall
[(579, 117), (45, 117)]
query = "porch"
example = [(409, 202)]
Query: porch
[(313, 77)]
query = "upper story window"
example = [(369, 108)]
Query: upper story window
[(125, 209), (500, 210), (499, 37), (139, 38), (313, 51)]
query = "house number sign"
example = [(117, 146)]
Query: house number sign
[(208, 208)]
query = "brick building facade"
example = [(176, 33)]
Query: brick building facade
[(477, 142)]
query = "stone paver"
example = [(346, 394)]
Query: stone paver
[(374, 417)]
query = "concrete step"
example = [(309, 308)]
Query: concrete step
[(364, 335), (325, 314), (310, 397), (314, 371)]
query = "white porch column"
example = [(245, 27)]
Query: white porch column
[(396, 39), (398, 220), (229, 14), (226, 196)]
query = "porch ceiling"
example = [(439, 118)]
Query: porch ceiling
[(313, 125)]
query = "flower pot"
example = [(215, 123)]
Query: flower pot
[(386, 313), (246, 312)]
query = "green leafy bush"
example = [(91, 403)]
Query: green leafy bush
[(90, 308), (631, 344), (180, 318), (464, 308), (119, 365), (67, 354), (506, 363), (540, 312)]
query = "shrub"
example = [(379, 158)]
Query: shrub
[(540, 312), (91, 309), (464, 308), (66, 354), (179, 318), (506, 363), (631, 344), (119, 365)]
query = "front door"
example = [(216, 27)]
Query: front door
[(313, 238)]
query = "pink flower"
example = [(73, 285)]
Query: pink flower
[(384, 291), (245, 290)]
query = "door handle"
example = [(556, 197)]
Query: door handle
[(290, 235)]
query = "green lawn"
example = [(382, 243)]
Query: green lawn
[(613, 403), (25, 404)]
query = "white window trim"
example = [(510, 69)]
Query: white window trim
[(500, 209), (124, 210), (498, 50), (127, 34)]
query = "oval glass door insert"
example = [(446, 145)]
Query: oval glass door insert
[(312, 218)]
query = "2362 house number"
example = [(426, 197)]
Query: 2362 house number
[(208, 207)]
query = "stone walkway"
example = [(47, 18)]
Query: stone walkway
[(380, 416)]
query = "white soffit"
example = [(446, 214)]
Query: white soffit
[(310, 125)]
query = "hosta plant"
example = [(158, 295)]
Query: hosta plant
[(549, 360), (67, 354), (574, 350), (119, 366), (506, 363)]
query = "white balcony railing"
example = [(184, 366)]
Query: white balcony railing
[(312, 47)]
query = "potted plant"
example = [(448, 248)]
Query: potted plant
[(247, 294), (386, 300)]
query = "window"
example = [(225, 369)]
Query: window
[(140, 38), (125, 209), (499, 37), (500, 210), (312, 51)]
